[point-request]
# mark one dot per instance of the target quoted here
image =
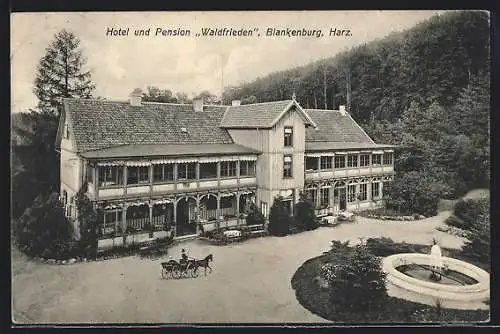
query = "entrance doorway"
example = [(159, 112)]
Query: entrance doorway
[(339, 194), (186, 217)]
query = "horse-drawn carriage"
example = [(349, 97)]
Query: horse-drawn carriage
[(185, 268)]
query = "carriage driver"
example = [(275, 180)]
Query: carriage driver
[(184, 257)]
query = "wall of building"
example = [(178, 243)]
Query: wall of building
[(71, 168)]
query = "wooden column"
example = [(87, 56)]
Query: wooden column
[(174, 223), (238, 172), (218, 175), (96, 181), (124, 179), (218, 206), (197, 174), (151, 219), (237, 196), (124, 222), (176, 166)]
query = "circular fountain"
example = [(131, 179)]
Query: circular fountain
[(426, 278)]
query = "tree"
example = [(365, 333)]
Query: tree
[(279, 220), (477, 246), (89, 219), (413, 192), (60, 72), (155, 94), (43, 230), (207, 97), (356, 283), (249, 99), (304, 215), (254, 216)]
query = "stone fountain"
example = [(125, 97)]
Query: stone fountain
[(426, 278)]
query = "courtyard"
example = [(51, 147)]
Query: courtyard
[(250, 282)]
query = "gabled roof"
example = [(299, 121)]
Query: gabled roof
[(98, 124), (165, 150), (334, 126), (260, 115)]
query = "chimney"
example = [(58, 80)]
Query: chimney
[(198, 105), (342, 110), (135, 98), (235, 102)]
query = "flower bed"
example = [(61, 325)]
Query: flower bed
[(384, 214)]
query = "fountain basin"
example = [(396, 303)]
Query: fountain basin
[(468, 296)]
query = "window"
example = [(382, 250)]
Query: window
[(162, 173), (351, 193), (137, 175), (363, 189), (388, 156), (263, 209), (352, 160), (287, 166), (375, 190), (208, 170), (186, 171), (65, 198), (288, 136), (311, 163), (90, 174), (326, 162), (112, 222), (247, 168), (376, 159), (340, 161), (324, 199), (110, 175), (364, 160), (311, 196), (228, 168)]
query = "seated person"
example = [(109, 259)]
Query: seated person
[(184, 257)]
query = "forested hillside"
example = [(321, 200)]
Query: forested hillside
[(426, 89)]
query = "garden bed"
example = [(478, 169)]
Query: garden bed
[(387, 214), (315, 296)]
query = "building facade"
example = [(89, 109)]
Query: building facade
[(157, 168)]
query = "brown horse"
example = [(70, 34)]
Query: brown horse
[(204, 263)]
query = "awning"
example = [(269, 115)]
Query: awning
[(209, 160), (111, 207), (313, 155), (138, 163), (186, 160), (164, 161), (229, 158), (137, 203), (378, 152), (389, 151), (341, 153), (248, 158), (353, 152), (226, 195), (246, 192), (110, 163), (163, 201)]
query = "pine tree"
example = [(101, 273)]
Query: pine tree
[(279, 220), (60, 73), (304, 214)]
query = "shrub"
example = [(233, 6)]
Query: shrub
[(411, 193), (43, 230), (358, 284), (478, 245), (386, 246), (279, 220), (254, 216), (304, 216), (89, 222)]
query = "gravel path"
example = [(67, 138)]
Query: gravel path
[(250, 282)]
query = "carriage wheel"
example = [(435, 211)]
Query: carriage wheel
[(176, 272), (189, 268), (194, 272), (169, 272), (164, 272)]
